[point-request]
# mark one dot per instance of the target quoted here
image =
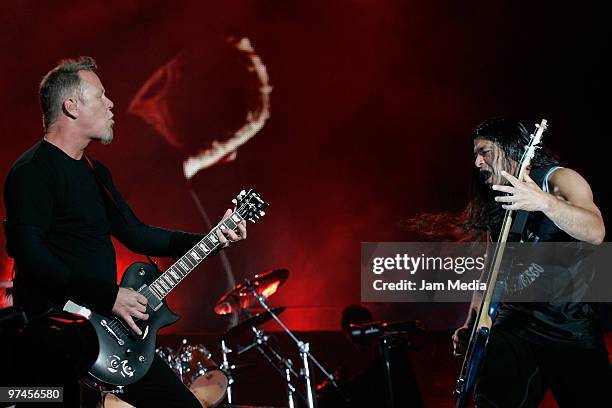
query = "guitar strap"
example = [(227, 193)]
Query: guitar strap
[(109, 194)]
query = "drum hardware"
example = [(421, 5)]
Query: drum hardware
[(283, 366), (227, 368), (257, 290), (304, 352), (251, 322)]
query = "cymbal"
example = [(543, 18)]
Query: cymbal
[(252, 321), (242, 296)]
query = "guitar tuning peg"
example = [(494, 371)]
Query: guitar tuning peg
[(252, 220), (262, 213), (242, 193), (235, 202)]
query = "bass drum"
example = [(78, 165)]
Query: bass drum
[(202, 375)]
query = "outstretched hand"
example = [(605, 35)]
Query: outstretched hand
[(524, 195)]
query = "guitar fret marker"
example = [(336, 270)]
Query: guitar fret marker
[(159, 288), (195, 256), (186, 259), (178, 271), (213, 238), (174, 275), (184, 265), (235, 217), (161, 282), (155, 292), (203, 247)]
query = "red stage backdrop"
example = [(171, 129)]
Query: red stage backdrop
[(371, 107)]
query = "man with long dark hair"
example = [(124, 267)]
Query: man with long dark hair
[(535, 346), (61, 211)]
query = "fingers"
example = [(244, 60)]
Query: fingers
[(505, 189), (231, 234), (228, 212), (513, 180), (506, 199), (222, 239), (458, 347), (129, 315), (129, 305), (242, 231), (130, 322), (227, 235), (528, 179), (460, 338), (141, 299)]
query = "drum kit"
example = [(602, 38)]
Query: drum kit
[(212, 383)]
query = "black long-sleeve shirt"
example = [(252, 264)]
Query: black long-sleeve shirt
[(59, 226)]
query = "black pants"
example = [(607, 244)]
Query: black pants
[(58, 350), (517, 373)]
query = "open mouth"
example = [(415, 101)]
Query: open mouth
[(485, 174)]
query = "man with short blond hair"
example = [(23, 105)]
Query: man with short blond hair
[(61, 212)]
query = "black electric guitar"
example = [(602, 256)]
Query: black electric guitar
[(124, 356), (493, 294)]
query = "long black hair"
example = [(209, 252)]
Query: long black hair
[(483, 213)]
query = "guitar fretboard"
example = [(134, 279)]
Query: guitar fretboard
[(188, 262)]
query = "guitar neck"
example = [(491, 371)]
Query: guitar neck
[(169, 279), (486, 312)]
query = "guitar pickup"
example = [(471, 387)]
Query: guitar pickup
[(110, 331)]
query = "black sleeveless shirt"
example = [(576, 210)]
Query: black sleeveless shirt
[(560, 323)]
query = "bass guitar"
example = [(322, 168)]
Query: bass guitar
[(493, 293)]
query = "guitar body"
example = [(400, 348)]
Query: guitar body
[(467, 381), (124, 357), (476, 351)]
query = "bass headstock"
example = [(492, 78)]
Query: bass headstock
[(530, 149)]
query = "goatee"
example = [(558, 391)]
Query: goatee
[(107, 137)]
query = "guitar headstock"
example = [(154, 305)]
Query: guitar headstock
[(540, 129), (250, 205), (534, 143)]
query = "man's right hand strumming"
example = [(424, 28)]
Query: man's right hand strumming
[(131, 304)]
